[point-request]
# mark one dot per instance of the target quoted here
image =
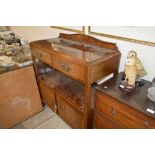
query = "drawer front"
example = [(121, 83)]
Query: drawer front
[(47, 95), (69, 68), (68, 113), (100, 121), (41, 55), (124, 115)]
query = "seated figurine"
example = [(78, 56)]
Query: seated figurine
[(140, 68), (133, 71)]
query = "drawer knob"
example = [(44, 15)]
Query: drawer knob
[(114, 112), (146, 123)]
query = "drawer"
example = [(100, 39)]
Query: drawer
[(124, 115), (69, 68), (41, 55), (100, 121), (47, 95), (68, 113)]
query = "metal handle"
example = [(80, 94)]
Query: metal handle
[(114, 112), (146, 123), (65, 68), (62, 65)]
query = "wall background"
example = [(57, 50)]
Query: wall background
[(144, 33), (146, 53)]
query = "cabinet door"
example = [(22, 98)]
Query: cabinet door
[(68, 113), (47, 95)]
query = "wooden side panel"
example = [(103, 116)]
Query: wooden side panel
[(47, 94), (105, 67), (19, 96)]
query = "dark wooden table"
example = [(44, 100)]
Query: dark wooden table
[(137, 99)]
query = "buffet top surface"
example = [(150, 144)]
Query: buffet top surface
[(84, 52)]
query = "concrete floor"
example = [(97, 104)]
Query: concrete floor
[(46, 119)]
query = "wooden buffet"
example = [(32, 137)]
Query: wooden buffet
[(77, 61), (115, 108)]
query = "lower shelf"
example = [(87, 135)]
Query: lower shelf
[(53, 82), (65, 96)]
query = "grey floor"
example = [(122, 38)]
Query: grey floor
[(46, 119)]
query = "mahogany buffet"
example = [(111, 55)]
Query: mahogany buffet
[(77, 61)]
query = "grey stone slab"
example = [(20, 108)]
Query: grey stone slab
[(53, 123), (36, 120)]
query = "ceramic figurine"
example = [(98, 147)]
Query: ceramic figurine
[(130, 71), (133, 72), (140, 68)]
